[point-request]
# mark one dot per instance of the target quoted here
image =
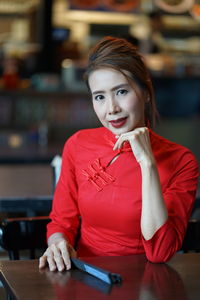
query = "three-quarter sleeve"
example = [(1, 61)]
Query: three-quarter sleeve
[(179, 197), (65, 213)]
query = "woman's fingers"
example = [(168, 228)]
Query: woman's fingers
[(139, 142), (51, 262), (123, 138), (131, 137), (42, 261), (65, 254), (47, 258), (57, 256), (120, 141)]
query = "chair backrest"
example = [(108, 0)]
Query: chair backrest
[(23, 234), (56, 165), (191, 241)]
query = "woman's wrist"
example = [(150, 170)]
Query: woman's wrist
[(148, 164), (55, 238)]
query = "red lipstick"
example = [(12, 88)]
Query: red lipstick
[(118, 123)]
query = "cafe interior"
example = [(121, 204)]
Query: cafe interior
[(43, 99)]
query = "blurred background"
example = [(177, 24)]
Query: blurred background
[(43, 50)]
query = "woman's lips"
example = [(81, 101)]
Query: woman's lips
[(118, 123)]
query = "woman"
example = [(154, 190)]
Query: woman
[(128, 190)]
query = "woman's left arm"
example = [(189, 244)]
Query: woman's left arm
[(154, 211), (164, 215)]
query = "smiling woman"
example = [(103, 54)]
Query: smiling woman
[(117, 105), (125, 58), (122, 189)]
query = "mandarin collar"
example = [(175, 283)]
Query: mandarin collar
[(111, 139)]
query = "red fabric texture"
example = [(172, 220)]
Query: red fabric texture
[(106, 199)]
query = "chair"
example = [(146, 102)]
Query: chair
[(25, 233), (191, 241)]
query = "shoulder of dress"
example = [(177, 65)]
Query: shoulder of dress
[(170, 149), (161, 142), (85, 136)]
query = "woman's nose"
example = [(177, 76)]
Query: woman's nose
[(113, 106)]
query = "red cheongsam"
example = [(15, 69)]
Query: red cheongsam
[(105, 198)]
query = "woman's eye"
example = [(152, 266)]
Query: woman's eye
[(99, 97), (122, 92)]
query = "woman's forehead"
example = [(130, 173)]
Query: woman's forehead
[(107, 76), (110, 72), (102, 79)]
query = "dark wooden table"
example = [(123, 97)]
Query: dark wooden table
[(142, 280)]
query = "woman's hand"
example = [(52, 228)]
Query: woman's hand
[(140, 144), (58, 254)]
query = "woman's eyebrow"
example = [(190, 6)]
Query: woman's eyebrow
[(98, 92), (123, 85)]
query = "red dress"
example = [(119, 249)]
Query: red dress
[(107, 196)]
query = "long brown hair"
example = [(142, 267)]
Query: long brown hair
[(123, 56)]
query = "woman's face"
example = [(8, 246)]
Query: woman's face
[(117, 104)]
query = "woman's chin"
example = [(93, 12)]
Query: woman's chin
[(118, 131)]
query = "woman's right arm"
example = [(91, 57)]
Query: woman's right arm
[(65, 219), (57, 255)]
